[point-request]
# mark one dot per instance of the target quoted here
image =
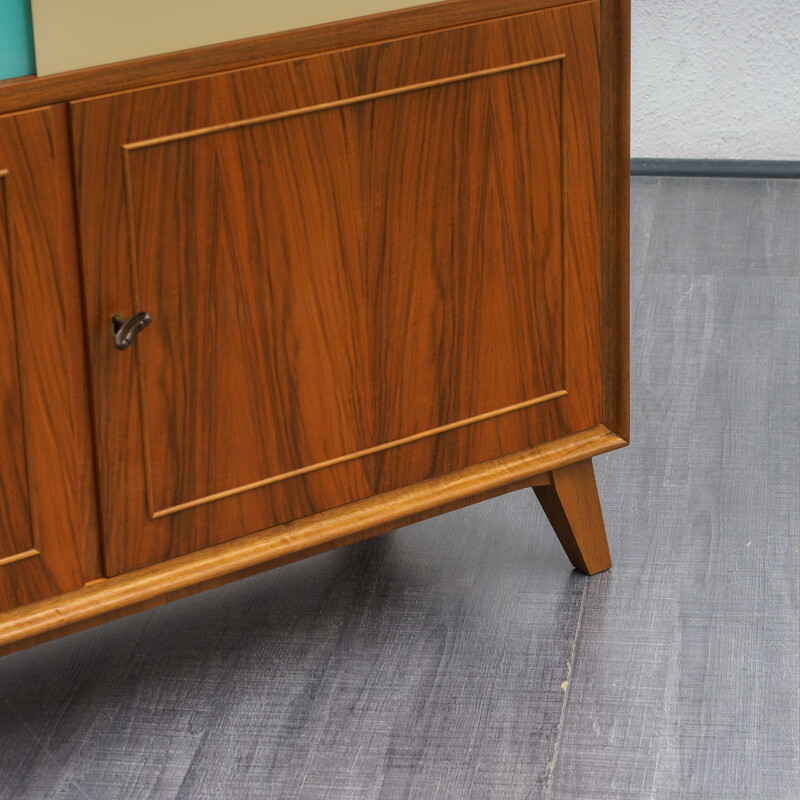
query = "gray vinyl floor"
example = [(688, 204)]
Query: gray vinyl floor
[(462, 657)]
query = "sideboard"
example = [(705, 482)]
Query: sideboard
[(270, 297)]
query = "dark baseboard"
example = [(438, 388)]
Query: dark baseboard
[(715, 168)]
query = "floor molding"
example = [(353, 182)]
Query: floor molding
[(714, 168)]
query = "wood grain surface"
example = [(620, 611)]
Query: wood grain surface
[(337, 252), (615, 212), (295, 322), (569, 499), (16, 539), (46, 524), (204, 569)]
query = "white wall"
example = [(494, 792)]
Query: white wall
[(716, 79)]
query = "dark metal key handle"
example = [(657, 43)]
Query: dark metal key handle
[(125, 331)]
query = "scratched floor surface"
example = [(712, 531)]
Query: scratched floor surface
[(461, 658)]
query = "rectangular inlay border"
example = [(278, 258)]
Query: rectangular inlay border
[(307, 110)]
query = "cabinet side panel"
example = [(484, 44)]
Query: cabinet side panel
[(615, 49), (39, 247)]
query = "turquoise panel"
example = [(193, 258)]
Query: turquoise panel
[(16, 39)]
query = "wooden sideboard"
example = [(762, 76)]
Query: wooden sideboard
[(386, 264)]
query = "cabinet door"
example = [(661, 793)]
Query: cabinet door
[(365, 268), (43, 470)]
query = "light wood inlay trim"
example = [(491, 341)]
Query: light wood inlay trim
[(248, 555), (360, 454), (348, 101), (32, 553)]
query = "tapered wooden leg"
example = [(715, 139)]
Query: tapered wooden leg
[(569, 498)]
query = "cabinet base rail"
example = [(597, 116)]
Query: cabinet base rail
[(560, 473)]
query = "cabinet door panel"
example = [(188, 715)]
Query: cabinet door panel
[(44, 468), (292, 313), (15, 520), (365, 268)]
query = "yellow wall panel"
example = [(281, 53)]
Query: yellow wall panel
[(71, 34)]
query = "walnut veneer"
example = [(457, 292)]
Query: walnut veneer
[(386, 262)]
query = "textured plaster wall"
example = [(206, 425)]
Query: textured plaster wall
[(716, 79)]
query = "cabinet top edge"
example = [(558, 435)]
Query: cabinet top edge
[(17, 94)]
